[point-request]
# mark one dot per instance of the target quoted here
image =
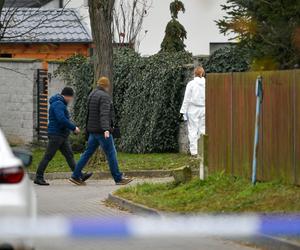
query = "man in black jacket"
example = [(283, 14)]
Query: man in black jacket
[(99, 126)]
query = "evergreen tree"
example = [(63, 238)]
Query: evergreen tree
[(269, 29), (175, 33)]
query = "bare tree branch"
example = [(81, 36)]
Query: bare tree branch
[(128, 20)]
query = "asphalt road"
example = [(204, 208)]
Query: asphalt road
[(65, 199)]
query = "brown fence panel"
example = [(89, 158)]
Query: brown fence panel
[(243, 110), (296, 96), (278, 145), (230, 105), (218, 109)]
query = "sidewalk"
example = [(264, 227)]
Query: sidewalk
[(66, 199)]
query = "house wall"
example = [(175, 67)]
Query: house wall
[(45, 52), (18, 99), (199, 21), (52, 4), (55, 83)]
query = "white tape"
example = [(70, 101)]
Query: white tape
[(31, 228), (194, 226)]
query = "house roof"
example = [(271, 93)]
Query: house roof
[(34, 25), (25, 3)]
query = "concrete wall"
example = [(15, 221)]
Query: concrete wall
[(18, 107), (18, 98)]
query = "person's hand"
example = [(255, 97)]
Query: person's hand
[(106, 134), (77, 130)]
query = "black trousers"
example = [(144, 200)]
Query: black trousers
[(56, 143)]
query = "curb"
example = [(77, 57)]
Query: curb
[(260, 241), (107, 175), (269, 243), (131, 206)]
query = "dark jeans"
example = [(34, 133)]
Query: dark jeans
[(56, 143), (108, 146)]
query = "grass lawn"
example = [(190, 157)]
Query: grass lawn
[(128, 162), (219, 193)]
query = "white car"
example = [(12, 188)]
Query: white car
[(17, 196)]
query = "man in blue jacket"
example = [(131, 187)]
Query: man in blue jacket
[(59, 128)]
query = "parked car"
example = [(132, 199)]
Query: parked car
[(17, 196)]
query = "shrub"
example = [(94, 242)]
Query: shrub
[(78, 143), (150, 117), (147, 97), (227, 59)]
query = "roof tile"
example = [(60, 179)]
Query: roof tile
[(33, 25)]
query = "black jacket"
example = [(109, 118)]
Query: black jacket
[(101, 113)]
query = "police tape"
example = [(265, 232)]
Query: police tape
[(175, 226)]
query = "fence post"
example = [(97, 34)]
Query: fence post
[(259, 98), (203, 155)]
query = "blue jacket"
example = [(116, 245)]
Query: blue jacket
[(59, 117)]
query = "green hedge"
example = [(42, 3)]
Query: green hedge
[(149, 107), (147, 97), (227, 59)]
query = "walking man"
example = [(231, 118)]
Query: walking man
[(100, 122), (59, 128)]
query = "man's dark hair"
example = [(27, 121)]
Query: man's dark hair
[(67, 91)]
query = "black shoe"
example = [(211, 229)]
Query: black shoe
[(41, 182), (76, 181), (86, 176)]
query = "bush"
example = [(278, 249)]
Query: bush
[(150, 104), (227, 59), (147, 97), (78, 143)]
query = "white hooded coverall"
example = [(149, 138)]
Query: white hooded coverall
[(193, 110)]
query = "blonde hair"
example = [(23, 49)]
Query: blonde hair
[(103, 82), (199, 71)]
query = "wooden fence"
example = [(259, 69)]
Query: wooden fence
[(230, 119)]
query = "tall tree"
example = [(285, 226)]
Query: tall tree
[(101, 15), (269, 29), (175, 32)]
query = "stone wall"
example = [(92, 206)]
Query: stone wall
[(18, 99)]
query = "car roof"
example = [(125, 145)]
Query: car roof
[(7, 158)]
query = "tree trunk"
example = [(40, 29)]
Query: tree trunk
[(101, 15)]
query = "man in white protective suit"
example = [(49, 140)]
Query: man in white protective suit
[(193, 109)]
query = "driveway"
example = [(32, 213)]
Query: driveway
[(63, 198)]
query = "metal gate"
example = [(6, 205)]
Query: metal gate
[(42, 109)]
